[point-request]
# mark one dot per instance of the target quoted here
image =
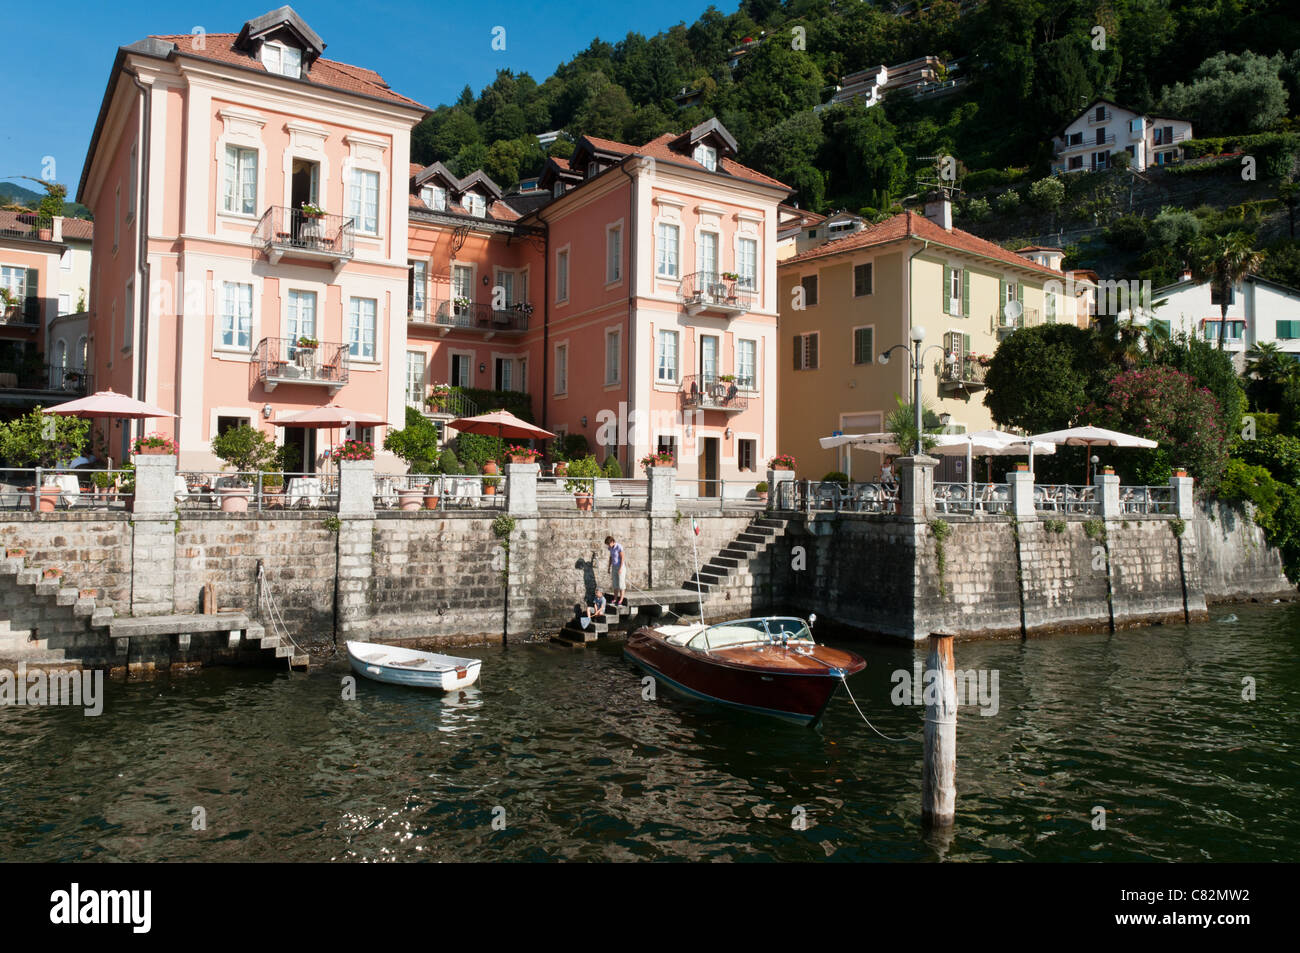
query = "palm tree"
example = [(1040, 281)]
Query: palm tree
[(1224, 260), (1270, 370)]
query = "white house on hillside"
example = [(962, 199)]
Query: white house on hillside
[(1104, 128), (1259, 311)]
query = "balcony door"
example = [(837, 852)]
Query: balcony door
[(708, 467), (304, 183), (708, 360), (299, 450), (462, 288)]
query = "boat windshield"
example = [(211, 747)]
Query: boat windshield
[(750, 632)]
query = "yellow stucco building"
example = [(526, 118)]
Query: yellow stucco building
[(847, 300)]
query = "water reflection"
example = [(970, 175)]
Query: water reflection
[(554, 755)]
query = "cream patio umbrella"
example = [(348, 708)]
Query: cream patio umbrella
[(1093, 437), (108, 404)]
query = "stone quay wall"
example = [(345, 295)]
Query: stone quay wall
[(444, 578)]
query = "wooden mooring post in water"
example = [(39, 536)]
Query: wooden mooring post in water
[(939, 777)]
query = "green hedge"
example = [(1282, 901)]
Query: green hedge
[(993, 178), (1275, 151), (517, 402)]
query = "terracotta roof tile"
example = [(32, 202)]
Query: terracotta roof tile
[(659, 148), (78, 228), (910, 225), (220, 48)]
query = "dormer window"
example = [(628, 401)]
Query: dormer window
[(593, 170), (435, 197), (475, 204), (558, 189), (707, 156), (285, 60)]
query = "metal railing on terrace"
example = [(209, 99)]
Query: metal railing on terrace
[(591, 493), (412, 491), (29, 226), (965, 370), (48, 378), (972, 499), (451, 403), (463, 315), (715, 291), (64, 489), (816, 496), (1066, 499), (239, 491), (285, 361), (705, 495), (700, 392), (290, 231)]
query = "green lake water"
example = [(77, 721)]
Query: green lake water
[(560, 750)]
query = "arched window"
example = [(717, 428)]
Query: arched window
[(81, 352), (60, 353)]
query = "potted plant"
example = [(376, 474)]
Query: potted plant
[(581, 481), (312, 210), (1106, 469), (15, 552), (273, 486), (1022, 467), (520, 454), (490, 483), (462, 303), (660, 458), (727, 378), (352, 450), (248, 450), (760, 491), (490, 467), (53, 572), (730, 276), (102, 481), (781, 461), (1180, 471), (410, 497), (155, 444)]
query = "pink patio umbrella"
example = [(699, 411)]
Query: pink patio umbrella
[(107, 404), (500, 423)]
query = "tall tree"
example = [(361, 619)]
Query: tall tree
[(1224, 260)]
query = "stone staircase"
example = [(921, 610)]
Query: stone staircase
[(727, 572), (730, 570), (83, 615)]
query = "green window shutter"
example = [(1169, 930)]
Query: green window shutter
[(812, 352), (947, 290), (1020, 292), (965, 345), (1002, 293), (31, 288), (965, 292)]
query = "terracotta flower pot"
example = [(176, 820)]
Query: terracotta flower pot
[(152, 451), (490, 490), (49, 498), (490, 468), (517, 458), (431, 501), (15, 552), (410, 499), (234, 499), (561, 469), (584, 501), (781, 466), (1180, 472), (1022, 468)]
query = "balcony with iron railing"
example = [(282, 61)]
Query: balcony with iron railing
[(22, 312), (964, 373), (462, 314), (705, 392), (291, 233), (1006, 325), (721, 293), (28, 226), (445, 401), (46, 379), (1085, 145), (279, 361)]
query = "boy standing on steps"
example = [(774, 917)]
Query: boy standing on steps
[(617, 571)]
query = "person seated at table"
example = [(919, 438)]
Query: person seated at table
[(887, 479)]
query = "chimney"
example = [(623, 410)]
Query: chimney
[(938, 209), (57, 227)]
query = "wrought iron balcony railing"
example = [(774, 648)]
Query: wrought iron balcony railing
[(463, 315), (48, 379), (700, 392), (279, 361), (965, 372), (290, 231), (712, 291), (29, 226)]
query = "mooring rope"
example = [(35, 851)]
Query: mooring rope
[(271, 608), (845, 681)]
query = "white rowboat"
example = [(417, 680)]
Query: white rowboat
[(398, 666)]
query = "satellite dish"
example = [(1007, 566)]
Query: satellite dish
[(1011, 312)]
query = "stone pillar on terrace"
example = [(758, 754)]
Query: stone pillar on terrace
[(1107, 485), (661, 498), (774, 480), (916, 487), (155, 484), (356, 489), (1021, 484), (521, 489), (1182, 490)]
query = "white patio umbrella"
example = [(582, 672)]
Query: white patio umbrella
[(1094, 437), (886, 443), (990, 443)]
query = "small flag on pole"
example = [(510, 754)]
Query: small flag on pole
[(695, 526)]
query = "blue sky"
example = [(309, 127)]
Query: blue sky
[(425, 51)]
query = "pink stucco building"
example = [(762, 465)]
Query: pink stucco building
[(249, 194)]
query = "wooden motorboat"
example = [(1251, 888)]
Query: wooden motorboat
[(399, 666), (770, 665)]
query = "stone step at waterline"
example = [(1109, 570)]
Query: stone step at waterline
[(103, 617)]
